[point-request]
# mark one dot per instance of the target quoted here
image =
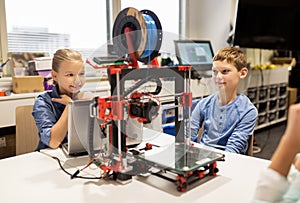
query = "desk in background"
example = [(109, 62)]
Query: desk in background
[(8, 104)]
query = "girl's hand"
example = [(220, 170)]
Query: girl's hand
[(64, 99)]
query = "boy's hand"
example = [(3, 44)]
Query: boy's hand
[(64, 99)]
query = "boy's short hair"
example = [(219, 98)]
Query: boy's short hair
[(232, 55)]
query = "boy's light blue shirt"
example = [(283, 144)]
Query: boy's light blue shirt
[(226, 127)]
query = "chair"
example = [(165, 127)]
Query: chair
[(249, 151), (26, 131)]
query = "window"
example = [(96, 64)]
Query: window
[(45, 26)]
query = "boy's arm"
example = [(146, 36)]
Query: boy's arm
[(242, 132), (196, 123)]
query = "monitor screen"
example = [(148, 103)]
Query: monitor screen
[(267, 24), (193, 52)]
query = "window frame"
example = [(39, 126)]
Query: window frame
[(113, 7), (3, 33)]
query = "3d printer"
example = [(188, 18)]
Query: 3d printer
[(137, 36)]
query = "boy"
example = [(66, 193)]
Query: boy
[(228, 117)]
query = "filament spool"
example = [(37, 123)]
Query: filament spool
[(146, 33), (154, 39)]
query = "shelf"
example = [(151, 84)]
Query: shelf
[(270, 123), (268, 91)]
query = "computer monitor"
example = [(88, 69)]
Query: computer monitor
[(196, 53)]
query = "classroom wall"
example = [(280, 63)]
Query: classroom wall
[(209, 20)]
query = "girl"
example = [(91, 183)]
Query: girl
[(50, 109)]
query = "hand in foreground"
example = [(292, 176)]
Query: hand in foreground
[(292, 132)]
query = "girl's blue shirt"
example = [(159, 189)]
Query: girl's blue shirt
[(46, 113)]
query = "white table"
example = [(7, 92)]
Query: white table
[(36, 177)]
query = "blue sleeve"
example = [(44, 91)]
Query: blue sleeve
[(238, 141), (196, 121), (44, 117)]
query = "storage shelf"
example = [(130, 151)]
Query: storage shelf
[(269, 95), (270, 123)]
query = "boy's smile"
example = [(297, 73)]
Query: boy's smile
[(225, 75)]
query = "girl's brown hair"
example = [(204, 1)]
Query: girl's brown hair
[(62, 55)]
